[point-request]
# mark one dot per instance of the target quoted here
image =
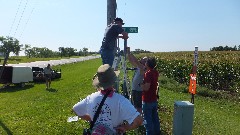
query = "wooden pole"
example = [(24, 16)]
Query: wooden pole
[(111, 11)]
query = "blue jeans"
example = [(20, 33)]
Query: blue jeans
[(151, 118), (107, 56)]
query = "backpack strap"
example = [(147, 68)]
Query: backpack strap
[(98, 110)]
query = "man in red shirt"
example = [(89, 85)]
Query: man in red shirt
[(149, 98)]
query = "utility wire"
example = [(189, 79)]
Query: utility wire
[(21, 16), (15, 18), (28, 19)]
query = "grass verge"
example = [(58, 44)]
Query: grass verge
[(212, 116), (35, 110)]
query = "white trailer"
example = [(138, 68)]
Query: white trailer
[(16, 75)]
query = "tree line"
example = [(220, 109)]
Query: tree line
[(10, 44), (226, 48)]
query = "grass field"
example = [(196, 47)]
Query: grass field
[(211, 116), (33, 110)]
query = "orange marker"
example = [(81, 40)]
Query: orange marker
[(193, 83)]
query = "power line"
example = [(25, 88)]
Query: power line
[(15, 18), (28, 19), (21, 16)]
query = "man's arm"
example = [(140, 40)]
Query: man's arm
[(134, 61), (136, 123), (84, 117), (145, 86), (124, 35), (147, 82), (80, 110)]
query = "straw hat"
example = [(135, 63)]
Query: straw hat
[(105, 77)]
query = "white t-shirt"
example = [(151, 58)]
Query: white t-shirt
[(115, 110), (137, 79)]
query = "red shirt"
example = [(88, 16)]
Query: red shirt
[(151, 76)]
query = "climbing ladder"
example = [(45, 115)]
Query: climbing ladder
[(119, 63)]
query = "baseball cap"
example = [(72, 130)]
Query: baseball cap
[(119, 20)]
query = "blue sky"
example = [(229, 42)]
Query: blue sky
[(164, 25)]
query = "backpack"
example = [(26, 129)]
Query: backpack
[(102, 129)]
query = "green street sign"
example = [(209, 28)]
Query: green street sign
[(131, 29)]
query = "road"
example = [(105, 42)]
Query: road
[(55, 62)]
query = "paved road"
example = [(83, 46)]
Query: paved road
[(55, 62)]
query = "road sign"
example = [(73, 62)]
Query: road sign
[(131, 29)]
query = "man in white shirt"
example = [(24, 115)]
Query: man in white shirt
[(116, 109)]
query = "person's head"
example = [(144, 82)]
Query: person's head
[(48, 65), (143, 60), (105, 77), (151, 63), (119, 21)]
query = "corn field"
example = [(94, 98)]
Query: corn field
[(217, 70)]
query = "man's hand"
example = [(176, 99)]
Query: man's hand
[(121, 129), (125, 127), (120, 37), (125, 35)]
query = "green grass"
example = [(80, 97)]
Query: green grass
[(212, 116), (33, 110)]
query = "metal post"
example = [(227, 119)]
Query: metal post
[(111, 10), (194, 70), (125, 91), (125, 81)]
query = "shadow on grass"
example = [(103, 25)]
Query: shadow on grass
[(14, 88), (52, 90), (5, 128)]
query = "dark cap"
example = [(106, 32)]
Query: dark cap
[(119, 20)]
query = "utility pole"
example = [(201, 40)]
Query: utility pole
[(111, 10)]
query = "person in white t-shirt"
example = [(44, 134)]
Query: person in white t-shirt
[(137, 79), (116, 109)]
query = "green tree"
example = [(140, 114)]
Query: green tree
[(70, 51), (62, 51), (27, 50), (8, 45), (85, 51)]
